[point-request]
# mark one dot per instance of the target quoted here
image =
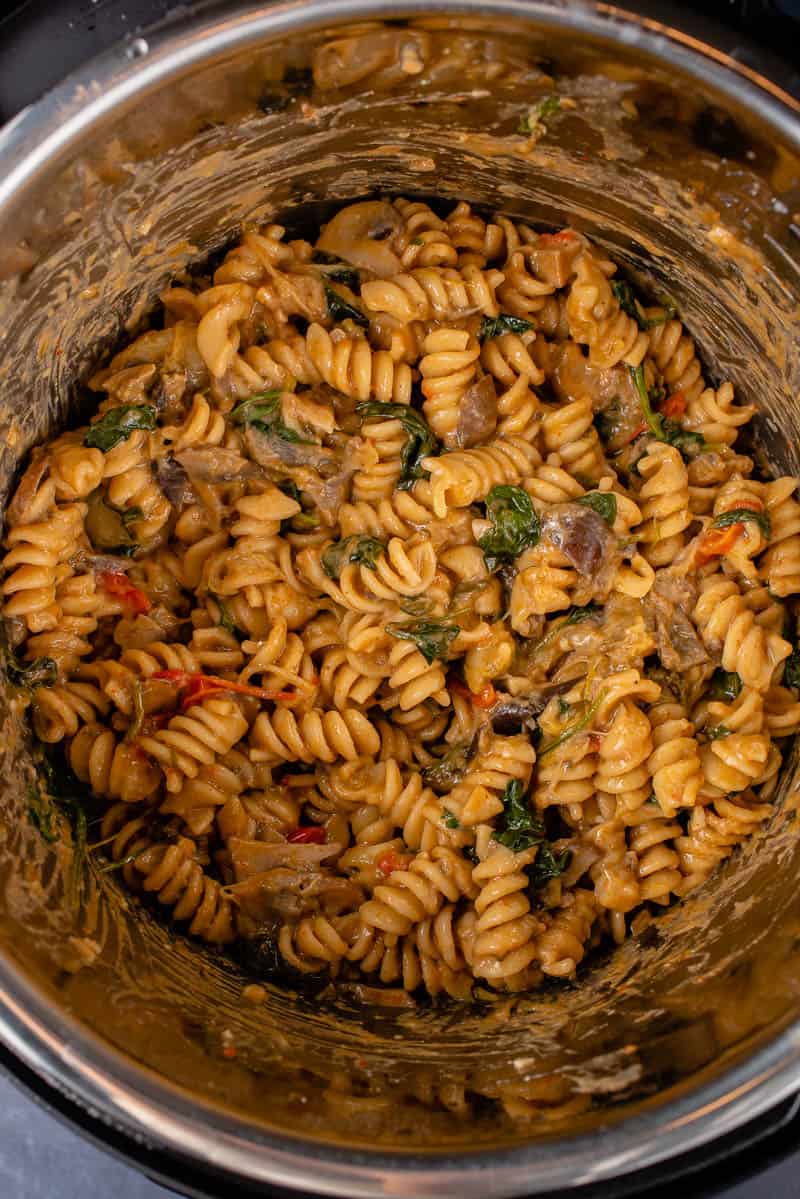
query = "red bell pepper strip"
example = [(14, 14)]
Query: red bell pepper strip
[(548, 239), (716, 542), (312, 834), (119, 585), (197, 687), (674, 405), (485, 698), (392, 861)]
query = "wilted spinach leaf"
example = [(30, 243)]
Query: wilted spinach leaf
[(431, 637), (791, 671), (42, 672), (548, 106), (362, 550), (421, 442), (604, 503), (547, 865), (496, 326), (449, 770), (519, 827), (118, 424), (666, 430), (515, 524), (716, 732), (264, 412), (725, 684), (340, 310), (739, 515)]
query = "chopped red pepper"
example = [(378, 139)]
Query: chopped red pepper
[(674, 405), (229, 1051), (637, 432), (485, 698), (119, 585), (548, 239), (313, 834), (716, 542), (392, 861), (197, 687)]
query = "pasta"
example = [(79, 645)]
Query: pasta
[(407, 604)]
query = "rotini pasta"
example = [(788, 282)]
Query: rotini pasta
[(406, 605)]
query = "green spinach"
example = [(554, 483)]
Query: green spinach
[(604, 503), (264, 413), (340, 310), (431, 637), (496, 326), (519, 828), (42, 672), (574, 616), (661, 427), (365, 551), (716, 732), (725, 685), (515, 525), (547, 865), (118, 424), (548, 106), (421, 442), (791, 671), (449, 770), (738, 516), (632, 306), (572, 729)]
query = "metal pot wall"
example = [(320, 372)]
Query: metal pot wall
[(686, 166)]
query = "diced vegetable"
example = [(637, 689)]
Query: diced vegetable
[(313, 834), (119, 585), (485, 698), (674, 405), (197, 687), (716, 542)]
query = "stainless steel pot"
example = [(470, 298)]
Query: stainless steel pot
[(685, 164)]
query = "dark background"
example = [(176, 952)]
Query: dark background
[(40, 42)]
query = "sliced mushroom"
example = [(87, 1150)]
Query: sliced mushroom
[(357, 233)]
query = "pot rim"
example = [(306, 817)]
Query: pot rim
[(102, 1079)]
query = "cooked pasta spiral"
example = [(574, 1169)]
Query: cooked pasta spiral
[(172, 874), (402, 591), (730, 629), (597, 321), (447, 369), (352, 367), (440, 293)]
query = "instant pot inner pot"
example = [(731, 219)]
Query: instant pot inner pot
[(687, 189)]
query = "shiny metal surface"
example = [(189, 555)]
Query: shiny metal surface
[(136, 1033)]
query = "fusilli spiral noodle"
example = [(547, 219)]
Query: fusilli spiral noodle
[(406, 605)]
